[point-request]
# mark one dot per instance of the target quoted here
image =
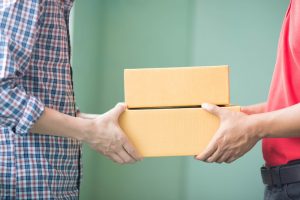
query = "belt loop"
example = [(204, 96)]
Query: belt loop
[(276, 178), (271, 176)]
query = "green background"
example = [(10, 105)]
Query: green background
[(110, 35)]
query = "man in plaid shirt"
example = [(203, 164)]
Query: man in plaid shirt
[(40, 134)]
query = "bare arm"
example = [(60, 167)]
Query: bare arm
[(101, 132), (280, 123), (55, 123), (239, 132)]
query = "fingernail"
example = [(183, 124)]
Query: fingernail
[(199, 156)]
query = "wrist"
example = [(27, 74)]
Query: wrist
[(84, 129), (258, 125)]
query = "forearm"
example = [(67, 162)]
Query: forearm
[(280, 123), (55, 123), (101, 132)]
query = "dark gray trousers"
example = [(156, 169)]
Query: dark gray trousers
[(285, 192)]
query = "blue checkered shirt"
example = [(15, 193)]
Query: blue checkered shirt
[(35, 73)]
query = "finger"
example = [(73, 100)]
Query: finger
[(117, 110), (222, 158), (116, 158), (131, 150), (128, 147), (212, 147), (125, 156), (245, 110), (230, 160), (214, 157)]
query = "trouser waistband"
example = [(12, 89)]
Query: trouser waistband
[(281, 175)]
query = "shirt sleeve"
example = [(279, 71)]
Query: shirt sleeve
[(18, 26), (294, 30)]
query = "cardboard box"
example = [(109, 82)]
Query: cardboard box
[(169, 132), (172, 87)]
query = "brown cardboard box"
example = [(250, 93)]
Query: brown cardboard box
[(179, 86), (169, 132)]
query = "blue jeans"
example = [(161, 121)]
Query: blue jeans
[(285, 192)]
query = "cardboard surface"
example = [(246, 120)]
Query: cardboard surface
[(181, 86), (169, 132)]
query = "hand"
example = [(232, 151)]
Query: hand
[(106, 137), (254, 109), (235, 136)]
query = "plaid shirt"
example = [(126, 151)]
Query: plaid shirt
[(35, 72)]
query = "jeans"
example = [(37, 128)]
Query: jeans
[(285, 192)]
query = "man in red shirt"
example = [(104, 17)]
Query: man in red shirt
[(276, 122)]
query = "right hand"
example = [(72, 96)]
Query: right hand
[(254, 109), (107, 138)]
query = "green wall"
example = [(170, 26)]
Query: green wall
[(244, 35), (110, 35)]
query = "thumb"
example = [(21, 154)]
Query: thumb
[(213, 109), (118, 110)]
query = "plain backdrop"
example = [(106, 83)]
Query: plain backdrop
[(110, 35)]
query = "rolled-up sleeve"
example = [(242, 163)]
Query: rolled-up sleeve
[(18, 29)]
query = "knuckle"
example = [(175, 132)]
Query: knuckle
[(122, 139), (118, 140), (236, 154), (118, 160), (113, 147), (117, 148), (128, 160), (121, 162), (220, 144), (131, 151), (106, 152)]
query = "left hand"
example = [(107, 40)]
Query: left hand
[(236, 135)]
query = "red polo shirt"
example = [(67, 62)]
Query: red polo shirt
[(285, 87)]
